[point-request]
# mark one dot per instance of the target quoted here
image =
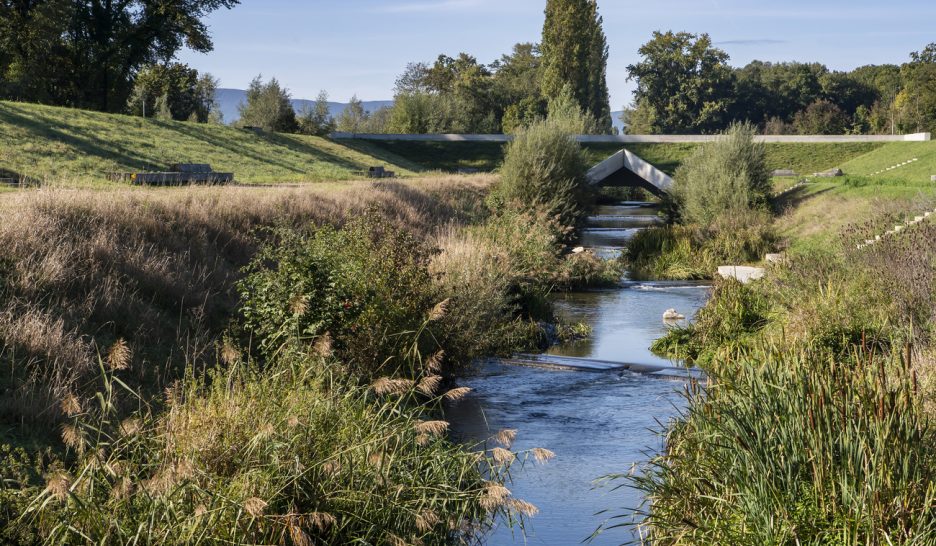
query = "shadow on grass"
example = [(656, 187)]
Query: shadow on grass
[(797, 197)]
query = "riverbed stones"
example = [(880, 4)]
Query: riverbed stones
[(742, 273)]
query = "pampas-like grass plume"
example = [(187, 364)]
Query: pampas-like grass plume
[(439, 310), (298, 305), (70, 405), (129, 427), (495, 495), (429, 385), (322, 520), (522, 507), (434, 428), (501, 455), (59, 485), (230, 355), (457, 394), (426, 520), (331, 467), (323, 347), (298, 536), (386, 386), (255, 506), (118, 357), (434, 364), (506, 437), (394, 540), (73, 438), (122, 488), (542, 455)]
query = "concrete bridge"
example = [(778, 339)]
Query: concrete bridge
[(625, 168)]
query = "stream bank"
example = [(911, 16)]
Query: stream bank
[(596, 423)]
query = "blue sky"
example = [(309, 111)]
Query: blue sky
[(359, 46)]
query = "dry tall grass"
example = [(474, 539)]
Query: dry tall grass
[(81, 270)]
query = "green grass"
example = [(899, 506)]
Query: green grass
[(61, 144), (893, 154), (445, 156), (815, 215), (804, 158)]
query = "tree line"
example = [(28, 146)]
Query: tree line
[(89, 53), (462, 95), (685, 85)]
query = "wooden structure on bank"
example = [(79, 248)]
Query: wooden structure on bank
[(177, 175)]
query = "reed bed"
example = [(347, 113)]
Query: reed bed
[(80, 269), (798, 448)]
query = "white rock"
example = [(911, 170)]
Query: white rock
[(744, 274), (898, 228), (672, 314), (578, 250)]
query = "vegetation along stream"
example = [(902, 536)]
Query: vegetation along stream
[(596, 423)]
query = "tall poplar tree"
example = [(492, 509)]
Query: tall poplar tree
[(575, 53)]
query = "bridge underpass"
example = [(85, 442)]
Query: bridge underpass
[(626, 168)]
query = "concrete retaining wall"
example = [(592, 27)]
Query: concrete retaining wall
[(642, 139)]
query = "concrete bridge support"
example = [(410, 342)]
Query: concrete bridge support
[(625, 168)]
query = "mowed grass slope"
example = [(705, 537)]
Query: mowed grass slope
[(894, 154), (67, 145), (804, 158), (819, 214)]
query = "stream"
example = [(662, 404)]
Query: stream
[(596, 423)]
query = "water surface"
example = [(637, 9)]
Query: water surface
[(596, 423)]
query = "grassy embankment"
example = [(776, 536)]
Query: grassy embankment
[(817, 425), (194, 365), (324, 352), (487, 156), (75, 147)]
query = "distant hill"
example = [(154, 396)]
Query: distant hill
[(230, 99), (616, 120)]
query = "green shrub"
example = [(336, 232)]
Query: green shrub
[(723, 178), (684, 252), (354, 284), (797, 448), (544, 171)]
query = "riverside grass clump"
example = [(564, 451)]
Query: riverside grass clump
[(334, 363), (720, 201), (797, 447), (82, 269), (293, 451)]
